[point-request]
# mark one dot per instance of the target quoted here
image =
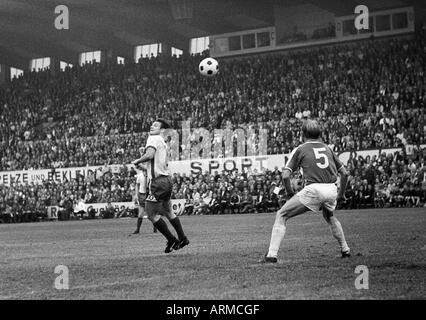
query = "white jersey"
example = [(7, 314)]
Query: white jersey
[(157, 166), (141, 180)]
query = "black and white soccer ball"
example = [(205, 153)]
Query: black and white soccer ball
[(208, 67)]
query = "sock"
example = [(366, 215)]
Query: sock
[(178, 227), (337, 231), (139, 223), (161, 225), (278, 232)]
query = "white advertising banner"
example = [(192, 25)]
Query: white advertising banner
[(38, 176), (99, 207), (52, 211), (185, 166), (228, 164), (177, 206), (188, 167)]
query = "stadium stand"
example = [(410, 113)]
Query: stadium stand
[(352, 88), (385, 181), (368, 94)]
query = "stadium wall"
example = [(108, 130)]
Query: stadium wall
[(301, 18), (222, 43)]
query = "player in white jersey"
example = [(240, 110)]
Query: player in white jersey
[(140, 193), (160, 187)]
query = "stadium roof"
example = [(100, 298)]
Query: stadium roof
[(27, 26)]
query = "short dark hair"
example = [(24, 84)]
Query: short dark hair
[(164, 123)]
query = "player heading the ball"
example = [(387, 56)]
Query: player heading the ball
[(158, 202)]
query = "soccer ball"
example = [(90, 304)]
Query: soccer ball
[(208, 67)]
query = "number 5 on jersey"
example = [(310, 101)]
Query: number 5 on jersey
[(319, 156)]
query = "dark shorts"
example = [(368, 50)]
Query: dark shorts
[(141, 199), (160, 189), (161, 208)]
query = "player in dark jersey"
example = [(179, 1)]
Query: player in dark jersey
[(320, 168)]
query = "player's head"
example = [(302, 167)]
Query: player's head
[(311, 130), (159, 125)]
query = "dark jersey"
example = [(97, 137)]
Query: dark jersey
[(318, 162)]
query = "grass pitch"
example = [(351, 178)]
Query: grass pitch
[(221, 261)]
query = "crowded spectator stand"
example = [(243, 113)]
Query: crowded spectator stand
[(369, 94)]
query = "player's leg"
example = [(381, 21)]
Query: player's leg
[(175, 222), (152, 210), (336, 230), (165, 186), (327, 194), (141, 213), (291, 208)]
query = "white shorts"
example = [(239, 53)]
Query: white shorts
[(317, 196)]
